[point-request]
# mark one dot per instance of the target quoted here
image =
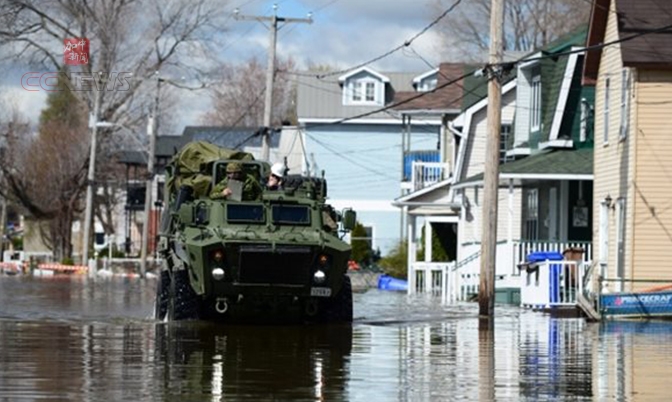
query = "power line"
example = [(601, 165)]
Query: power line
[(389, 52)]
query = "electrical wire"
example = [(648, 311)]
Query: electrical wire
[(407, 43)]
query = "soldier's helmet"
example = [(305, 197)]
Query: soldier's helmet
[(234, 167), (278, 169)]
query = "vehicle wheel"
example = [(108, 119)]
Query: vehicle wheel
[(162, 296), (339, 308), (184, 303)]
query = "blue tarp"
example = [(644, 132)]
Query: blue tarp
[(386, 282), (540, 256)]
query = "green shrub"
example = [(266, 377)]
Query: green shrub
[(396, 262), (68, 261), (361, 252)]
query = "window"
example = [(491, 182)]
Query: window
[(606, 111), (504, 141), (535, 104), (357, 91), (532, 214), (427, 84), (625, 104), (370, 92), (583, 130), (362, 91), (236, 213), (291, 214)]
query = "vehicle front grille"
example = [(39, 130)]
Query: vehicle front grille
[(284, 265)]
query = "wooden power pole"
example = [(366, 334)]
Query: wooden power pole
[(270, 69), (486, 291)]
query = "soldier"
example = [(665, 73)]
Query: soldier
[(277, 176), (234, 171)]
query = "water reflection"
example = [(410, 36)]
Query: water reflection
[(73, 339), (253, 363)]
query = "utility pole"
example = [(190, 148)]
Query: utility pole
[(486, 291), (151, 133), (3, 224), (270, 68), (88, 213)]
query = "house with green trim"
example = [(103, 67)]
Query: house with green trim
[(546, 167)]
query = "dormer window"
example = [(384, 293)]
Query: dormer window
[(427, 81), (363, 87), (364, 91)]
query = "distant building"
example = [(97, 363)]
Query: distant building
[(365, 129)]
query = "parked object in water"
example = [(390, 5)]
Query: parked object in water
[(386, 282)]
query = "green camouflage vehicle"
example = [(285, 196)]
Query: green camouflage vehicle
[(278, 257)]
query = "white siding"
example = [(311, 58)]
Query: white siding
[(475, 153)]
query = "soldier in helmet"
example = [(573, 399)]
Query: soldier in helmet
[(234, 171), (277, 176)]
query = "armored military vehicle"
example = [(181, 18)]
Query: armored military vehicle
[(277, 257)]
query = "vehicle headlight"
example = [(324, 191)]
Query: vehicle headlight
[(218, 274), (319, 277)]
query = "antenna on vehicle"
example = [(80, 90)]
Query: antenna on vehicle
[(322, 189)]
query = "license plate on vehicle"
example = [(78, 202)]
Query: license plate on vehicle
[(320, 292)]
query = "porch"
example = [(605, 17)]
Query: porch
[(423, 169), (459, 280)]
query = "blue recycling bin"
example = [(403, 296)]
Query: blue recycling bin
[(555, 270)]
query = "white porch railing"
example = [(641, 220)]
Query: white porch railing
[(522, 249), (552, 284), (425, 174), (459, 281), (435, 278)]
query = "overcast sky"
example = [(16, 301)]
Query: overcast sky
[(343, 33)]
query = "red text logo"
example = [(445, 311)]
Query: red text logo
[(75, 51)]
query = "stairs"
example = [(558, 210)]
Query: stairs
[(587, 307)]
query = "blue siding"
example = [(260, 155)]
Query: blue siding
[(364, 163)]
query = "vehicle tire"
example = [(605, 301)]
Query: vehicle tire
[(339, 308), (184, 303), (162, 296)]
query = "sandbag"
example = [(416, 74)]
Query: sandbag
[(192, 165)]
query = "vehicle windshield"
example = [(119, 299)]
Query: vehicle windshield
[(291, 214), (240, 213)]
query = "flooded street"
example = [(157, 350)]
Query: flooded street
[(76, 339)]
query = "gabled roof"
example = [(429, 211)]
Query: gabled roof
[(464, 120), (650, 50), (321, 98), (349, 74), (447, 98), (421, 77)]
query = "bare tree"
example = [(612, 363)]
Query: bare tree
[(46, 173), (529, 24), (130, 41), (239, 99)]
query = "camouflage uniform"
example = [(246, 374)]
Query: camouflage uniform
[(251, 187)]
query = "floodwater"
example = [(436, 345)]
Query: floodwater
[(77, 339)]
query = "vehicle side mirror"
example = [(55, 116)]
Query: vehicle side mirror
[(349, 219)]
